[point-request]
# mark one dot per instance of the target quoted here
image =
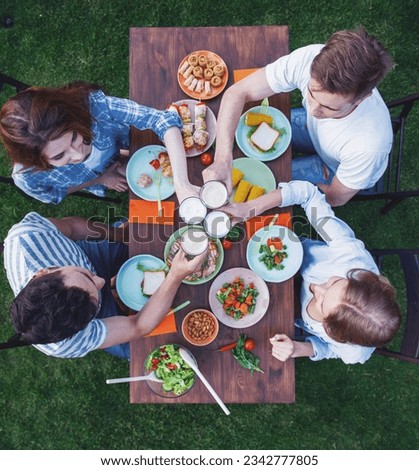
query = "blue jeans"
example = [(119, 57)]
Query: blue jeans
[(107, 257), (310, 167)]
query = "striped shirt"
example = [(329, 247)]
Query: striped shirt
[(36, 243), (112, 119)]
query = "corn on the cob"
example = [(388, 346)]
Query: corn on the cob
[(242, 191), (236, 176), (255, 192), (254, 119)]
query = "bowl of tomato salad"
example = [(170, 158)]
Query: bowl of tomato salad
[(178, 377)]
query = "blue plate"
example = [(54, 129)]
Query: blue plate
[(140, 163), (294, 250), (129, 278), (280, 121)]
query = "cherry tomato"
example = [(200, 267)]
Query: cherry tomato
[(206, 159), (155, 361), (249, 344), (171, 366), (227, 244)]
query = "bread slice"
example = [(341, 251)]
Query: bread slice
[(264, 137), (152, 281)]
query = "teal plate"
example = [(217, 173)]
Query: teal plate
[(129, 278), (255, 172), (280, 121), (138, 164)]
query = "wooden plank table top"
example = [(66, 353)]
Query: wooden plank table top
[(155, 54)]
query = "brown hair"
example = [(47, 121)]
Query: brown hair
[(369, 314), (37, 115), (351, 63)]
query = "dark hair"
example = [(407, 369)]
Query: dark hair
[(37, 115), (351, 63), (369, 314), (47, 311)]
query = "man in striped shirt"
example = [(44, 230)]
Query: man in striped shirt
[(64, 305)]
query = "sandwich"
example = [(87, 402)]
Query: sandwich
[(264, 137), (152, 280)]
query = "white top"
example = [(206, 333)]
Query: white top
[(355, 147), (339, 253)]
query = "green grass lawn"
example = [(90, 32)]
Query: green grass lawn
[(46, 403)]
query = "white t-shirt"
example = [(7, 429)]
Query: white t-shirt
[(355, 147)]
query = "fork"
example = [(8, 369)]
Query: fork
[(157, 182)]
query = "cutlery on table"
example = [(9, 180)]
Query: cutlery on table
[(152, 377), (179, 307), (157, 182), (189, 360)]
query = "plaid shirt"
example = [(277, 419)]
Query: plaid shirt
[(112, 118)]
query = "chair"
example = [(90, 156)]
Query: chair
[(388, 187), (409, 350), (18, 87)]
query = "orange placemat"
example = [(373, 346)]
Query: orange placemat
[(242, 73), (256, 223), (145, 212), (167, 325)]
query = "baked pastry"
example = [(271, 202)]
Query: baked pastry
[(198, 71), (216, 81), (193, 60), (208, 74), (218, 70), (202, 60)]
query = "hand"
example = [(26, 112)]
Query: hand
[(186, 190), (219, 171), (283, 347), (113, 179), (238, 211), (182, 266)]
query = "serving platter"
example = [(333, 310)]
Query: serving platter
[(183, 81)]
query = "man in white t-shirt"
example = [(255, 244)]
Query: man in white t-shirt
[(344, 128)]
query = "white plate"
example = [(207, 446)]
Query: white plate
[(129, 278), (211, 126), (140, 163), (255, 172), (280, 121), (262, 300), (294, 250)]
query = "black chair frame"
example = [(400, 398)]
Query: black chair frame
[(390, 183)]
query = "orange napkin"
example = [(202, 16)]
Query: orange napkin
[(167, 325), (256, 223), (242, 73), (145, 212)]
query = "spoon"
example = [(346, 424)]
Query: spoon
[(189, 360), (152, 376)]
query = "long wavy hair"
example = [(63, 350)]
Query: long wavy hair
[(38, 115)]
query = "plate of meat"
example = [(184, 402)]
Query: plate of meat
[(202, 75), (199, 125), (210, 267)]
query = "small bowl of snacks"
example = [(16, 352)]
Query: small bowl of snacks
[(200, 327)]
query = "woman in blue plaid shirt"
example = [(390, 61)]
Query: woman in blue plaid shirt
[(62, 140)]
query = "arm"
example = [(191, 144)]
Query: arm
[(122, 329), (283, 348), (337, 194), (252, 88), (77, 228), (174, 145)]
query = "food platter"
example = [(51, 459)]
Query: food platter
[(256, 173), (211, 123), (139, 164), (262, 301), (129, 279), (294, 251), (219, 261), (279, 122), (185, 72)]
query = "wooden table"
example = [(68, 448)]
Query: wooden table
[(155, 54)]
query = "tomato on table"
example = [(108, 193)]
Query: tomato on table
[(227, 244), (206, 159)]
